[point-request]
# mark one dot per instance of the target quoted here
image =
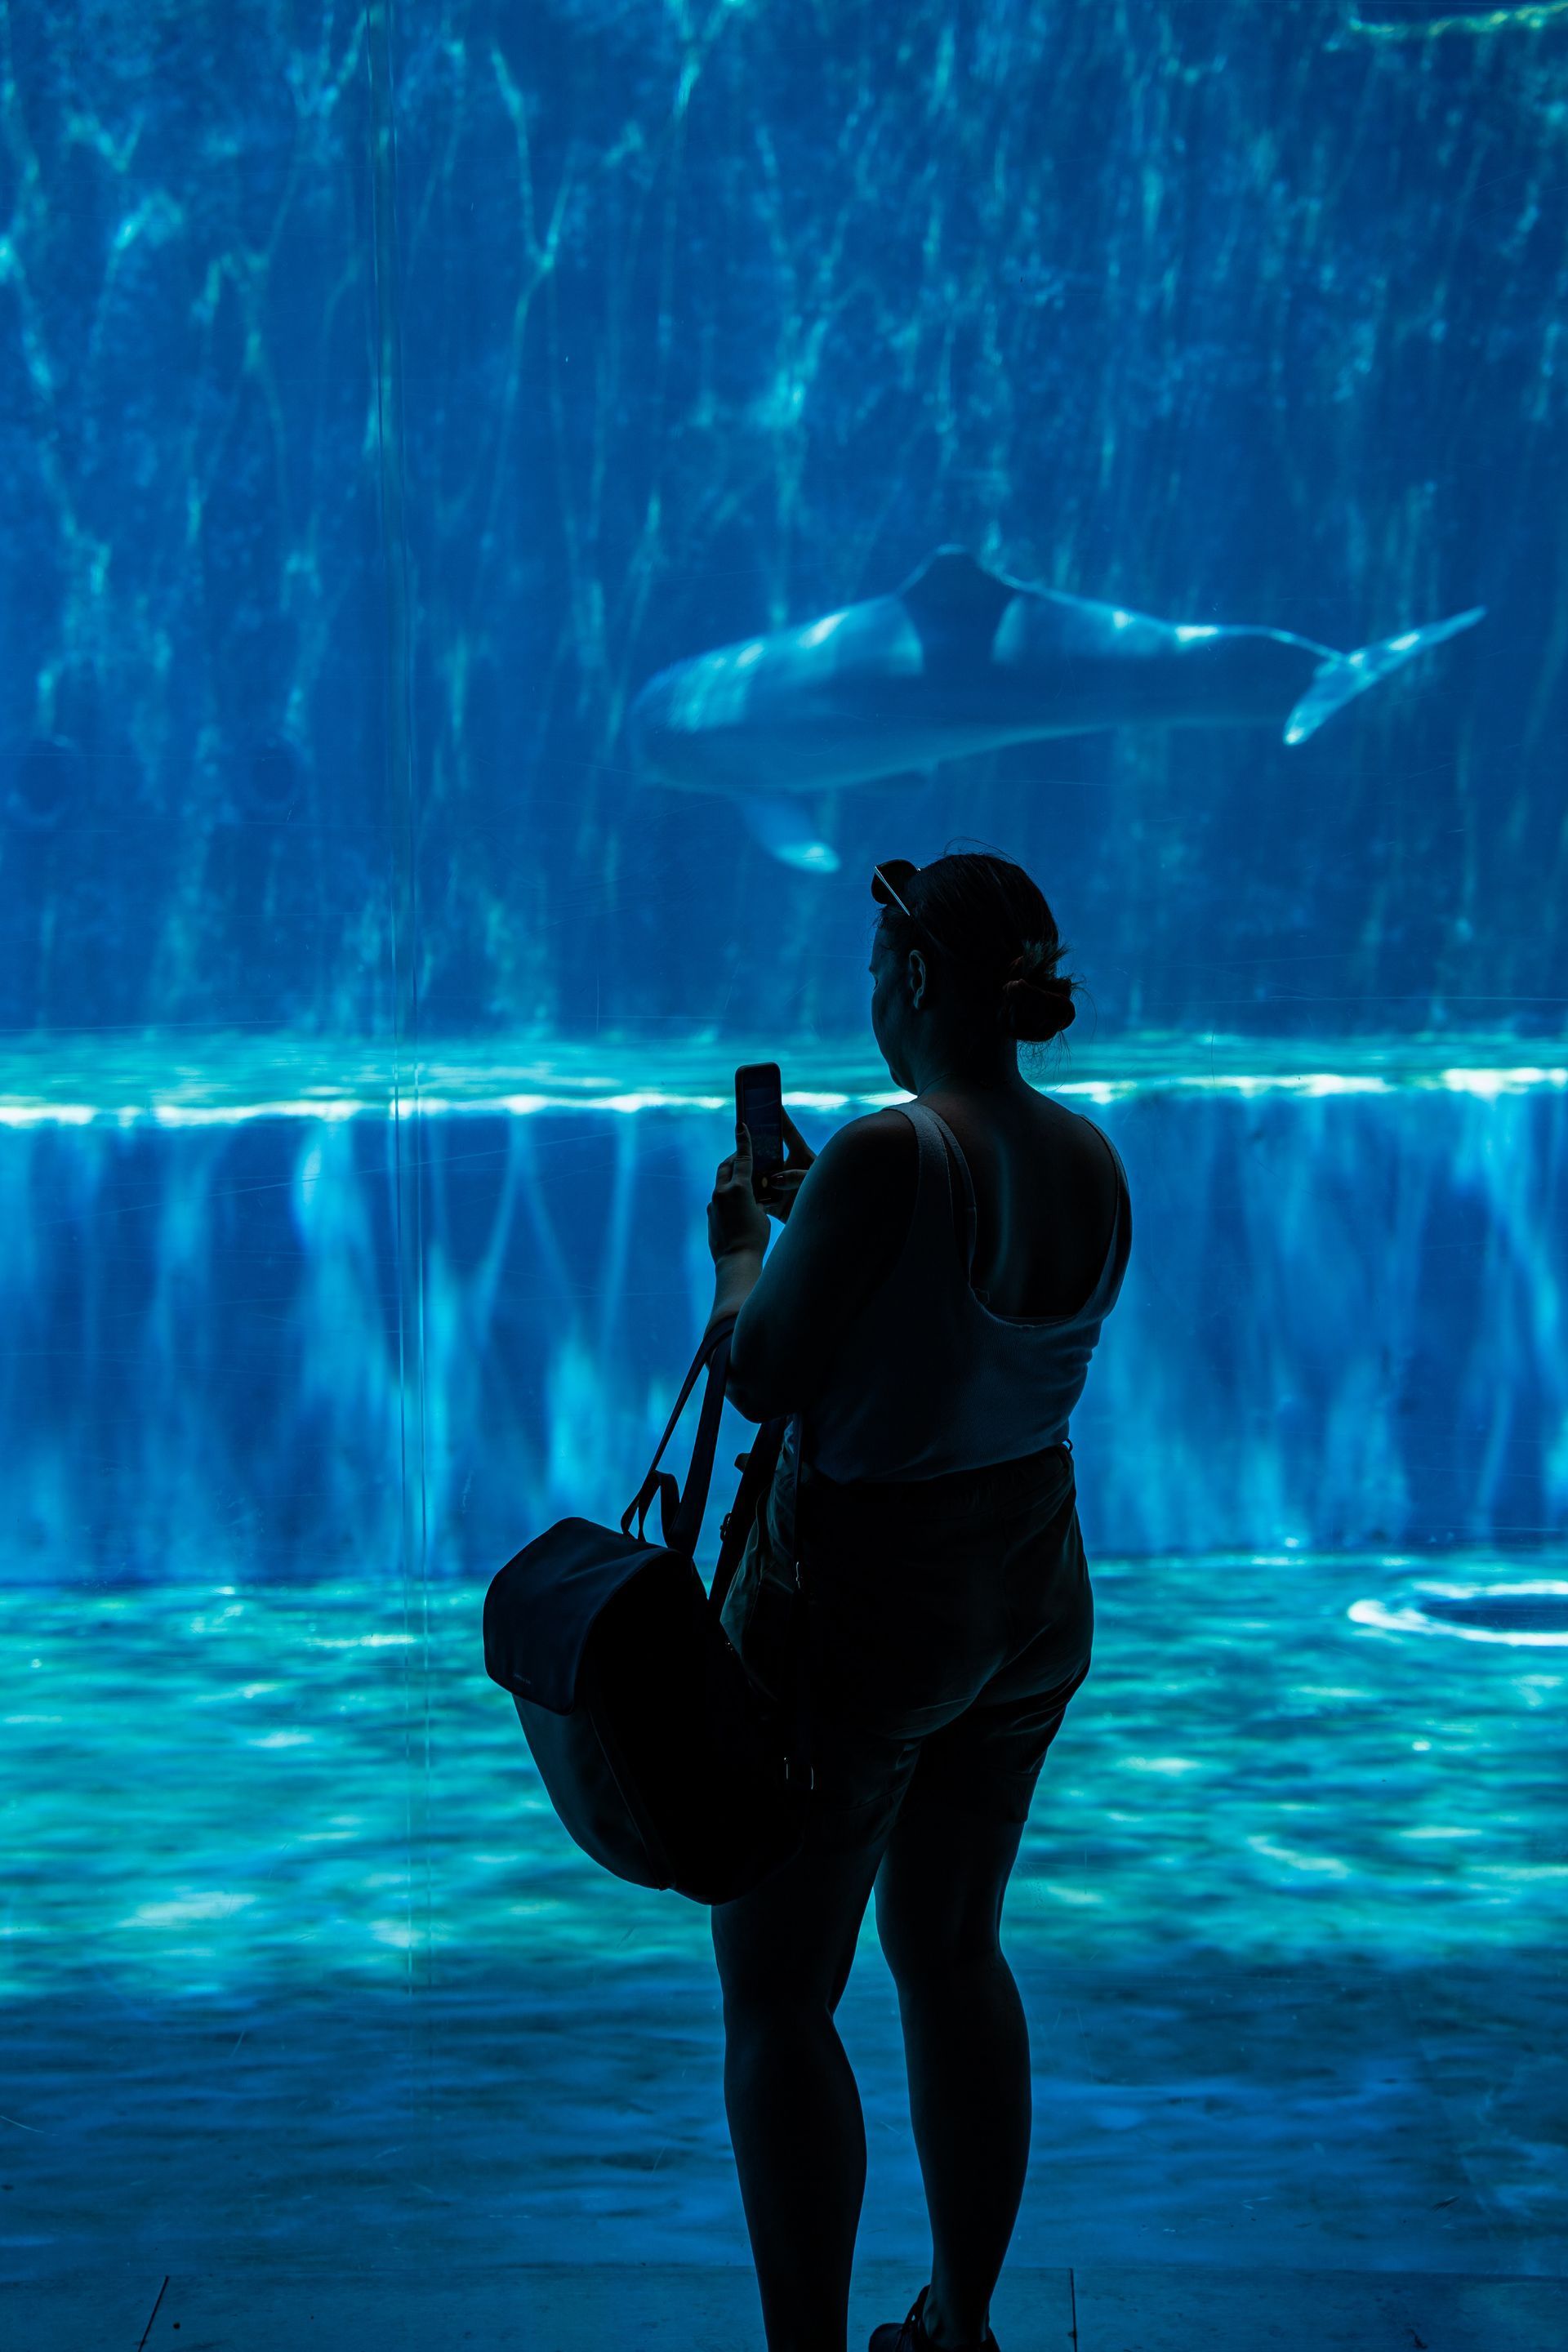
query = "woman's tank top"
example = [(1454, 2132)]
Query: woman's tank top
[(927, 1379)]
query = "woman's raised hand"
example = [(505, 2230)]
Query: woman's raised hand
[(777, 1193), (735, 1220)]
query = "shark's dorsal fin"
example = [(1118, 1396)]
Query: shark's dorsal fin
[(951, 590)]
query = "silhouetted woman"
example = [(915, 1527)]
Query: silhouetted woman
[(930, 1310)]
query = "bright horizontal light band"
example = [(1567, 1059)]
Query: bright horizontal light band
[(218, 1082)]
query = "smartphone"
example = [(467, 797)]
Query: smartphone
[(759, 1106)]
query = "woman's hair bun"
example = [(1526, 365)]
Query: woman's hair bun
[(1035, 1004), (999, 942)]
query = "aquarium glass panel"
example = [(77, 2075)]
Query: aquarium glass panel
[(514, 513)]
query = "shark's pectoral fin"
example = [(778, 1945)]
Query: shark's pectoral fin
[(786, 831), (1338, 679)]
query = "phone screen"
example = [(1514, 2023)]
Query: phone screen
[(759, 1102)]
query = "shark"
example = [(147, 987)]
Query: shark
[(960, 660)]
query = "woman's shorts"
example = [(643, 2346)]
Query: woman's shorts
[(949, 1621)]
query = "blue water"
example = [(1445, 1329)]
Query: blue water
[(1342, 1325), (386, 394), (310, 1785)]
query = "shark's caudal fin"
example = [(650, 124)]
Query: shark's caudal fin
[(786, 831), (1344, 675)]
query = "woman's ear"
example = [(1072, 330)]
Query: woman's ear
[(915, 972)]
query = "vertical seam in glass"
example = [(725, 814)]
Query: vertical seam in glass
[(401, 872)]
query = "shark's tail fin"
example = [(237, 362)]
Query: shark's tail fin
[(1344, 675)]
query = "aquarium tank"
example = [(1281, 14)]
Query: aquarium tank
[(426, 428)]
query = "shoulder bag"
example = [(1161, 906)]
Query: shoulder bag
[(664, 1756)]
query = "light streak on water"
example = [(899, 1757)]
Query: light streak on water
[(1531, 1615), (187, 1082)]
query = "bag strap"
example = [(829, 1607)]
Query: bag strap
[(680, 1513), (798, 1772), (756, 1470), (680, 1516)]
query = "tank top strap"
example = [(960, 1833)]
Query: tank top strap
[(1119, 1245), (1124, 1191), (936, 1204), (951, 1153)]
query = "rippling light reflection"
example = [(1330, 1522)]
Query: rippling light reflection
[(1466, 1622)]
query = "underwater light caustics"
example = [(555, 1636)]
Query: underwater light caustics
[(962, 661)]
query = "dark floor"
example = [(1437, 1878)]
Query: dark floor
[(1102, 2308), (1222, 2155), (1197, 2111)]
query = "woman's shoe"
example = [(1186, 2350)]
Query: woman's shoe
[(908, 2336)]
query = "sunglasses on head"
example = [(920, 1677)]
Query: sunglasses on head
[(889, 881)]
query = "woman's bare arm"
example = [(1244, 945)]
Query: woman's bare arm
[(847, 1225)]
